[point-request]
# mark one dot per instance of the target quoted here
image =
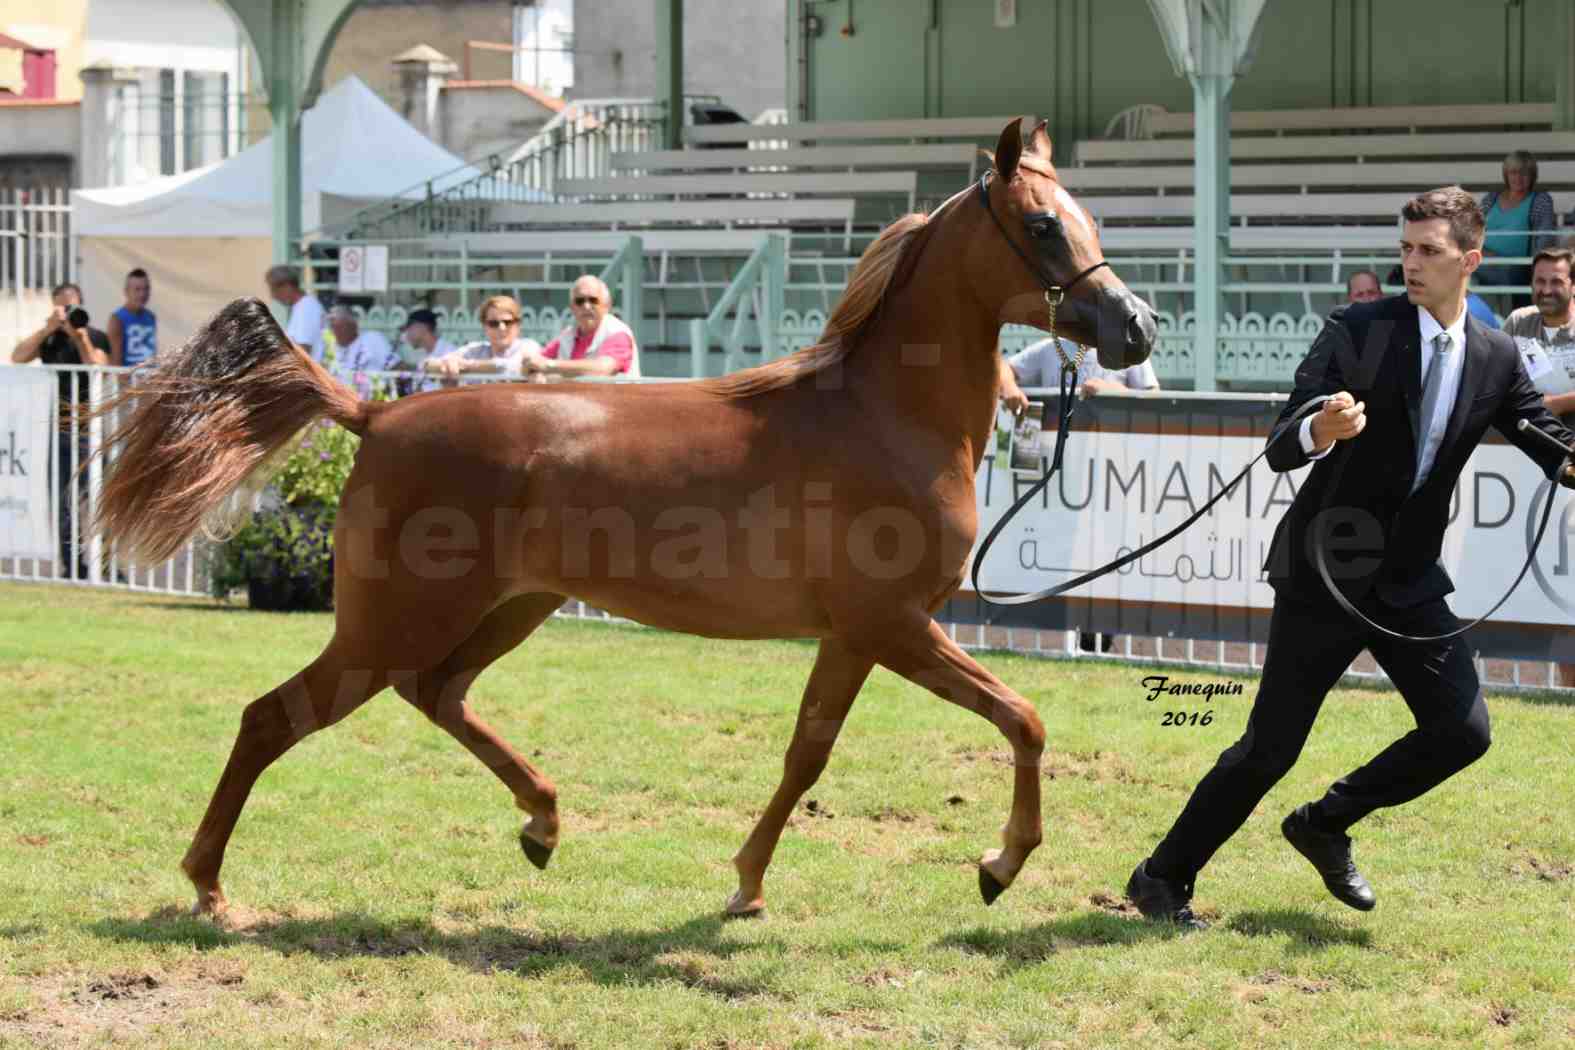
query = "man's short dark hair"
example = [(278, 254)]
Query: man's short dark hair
[(1454, 204), (283, 275), (138, 272), (1555, 255), (65, 286), (1371, 273)]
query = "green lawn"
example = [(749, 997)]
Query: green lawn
[(379, 897)]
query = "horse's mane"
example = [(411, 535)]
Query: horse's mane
[(884, 268)]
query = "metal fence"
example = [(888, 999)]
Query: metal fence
[(37, 252), (186, 574)]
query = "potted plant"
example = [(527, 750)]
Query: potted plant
[(284, 555)]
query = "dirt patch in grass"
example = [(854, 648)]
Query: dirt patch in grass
[(1255, 989), (1108, 902), (698, 971), (76, 1010), (1502, 1015), (886, 977), (1532, 866)]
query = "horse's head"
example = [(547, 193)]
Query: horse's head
[(1045, 248)]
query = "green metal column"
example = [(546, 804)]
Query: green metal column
[(1211, 43), (292, 39), (282, 74), (670, 66), (797, 61), (1211, 220), (1564, 73)]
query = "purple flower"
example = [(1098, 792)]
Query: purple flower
[(325, 457)]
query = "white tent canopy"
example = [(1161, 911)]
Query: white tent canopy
[(352, 146), (204, 236)]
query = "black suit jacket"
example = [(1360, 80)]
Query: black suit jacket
[(1383, 538)]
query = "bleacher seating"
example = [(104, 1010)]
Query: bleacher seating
[(726, 184), (1402, 174), (1157, 123), (978, 129), (1443, 146), (618, 215), (806, 158)]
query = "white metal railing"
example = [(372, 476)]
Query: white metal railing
[(37, 253)]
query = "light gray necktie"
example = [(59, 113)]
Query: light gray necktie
[(1431, 384)]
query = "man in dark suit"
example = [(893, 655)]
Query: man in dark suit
[(1409, 384)]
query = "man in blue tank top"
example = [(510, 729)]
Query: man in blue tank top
[(133, 330)]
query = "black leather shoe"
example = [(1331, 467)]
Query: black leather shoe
[(1163, 900), (1330, 853)]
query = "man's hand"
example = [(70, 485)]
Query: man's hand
[(1094, 387), (56, 321), (1014, 399), (1342, 417)]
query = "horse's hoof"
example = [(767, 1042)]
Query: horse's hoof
[(737, 908), (990, 887), (535, 852)]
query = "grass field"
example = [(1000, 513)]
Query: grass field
[(379, 898)]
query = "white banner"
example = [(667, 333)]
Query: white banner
[(1119, 490), (27, 400)]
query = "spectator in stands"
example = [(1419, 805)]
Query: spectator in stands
[(355, 350), (1519, 223), (422, 344), (67, 339), (503, 352), (1363, 287), (305, 326), (133, 330), (1039, 365), (597, 344), (1548, 325), (1545, 334)]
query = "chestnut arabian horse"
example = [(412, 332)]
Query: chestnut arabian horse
[(826, 495)]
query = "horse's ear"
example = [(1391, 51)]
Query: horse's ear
[(1008, 150), (1039, 142)]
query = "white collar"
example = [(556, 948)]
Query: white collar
[(1430, 327)]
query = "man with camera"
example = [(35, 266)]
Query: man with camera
[(67, 339)]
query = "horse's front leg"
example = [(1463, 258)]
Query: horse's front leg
[(929, 658), (834, 683)]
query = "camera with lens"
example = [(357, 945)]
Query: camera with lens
[(77, 318)]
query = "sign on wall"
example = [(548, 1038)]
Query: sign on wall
[(363, 268), (27, 400), (1005, 14)]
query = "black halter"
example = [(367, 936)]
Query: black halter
[(1051, 288)]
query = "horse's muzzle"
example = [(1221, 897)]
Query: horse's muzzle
[(1127, 331)]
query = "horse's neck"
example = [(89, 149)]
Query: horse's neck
[(931, 360)]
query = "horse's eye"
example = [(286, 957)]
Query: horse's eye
[(1044, 228)]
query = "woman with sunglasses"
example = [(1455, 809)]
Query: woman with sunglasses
[(597, 344), (502, 352)]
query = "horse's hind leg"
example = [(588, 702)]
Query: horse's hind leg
[(929, 658), (326, 691), (440, 695), (834, 683)]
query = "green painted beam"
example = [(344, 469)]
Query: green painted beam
[(670, 66), (292, 39)]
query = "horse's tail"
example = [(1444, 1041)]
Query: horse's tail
[(202, 421)]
